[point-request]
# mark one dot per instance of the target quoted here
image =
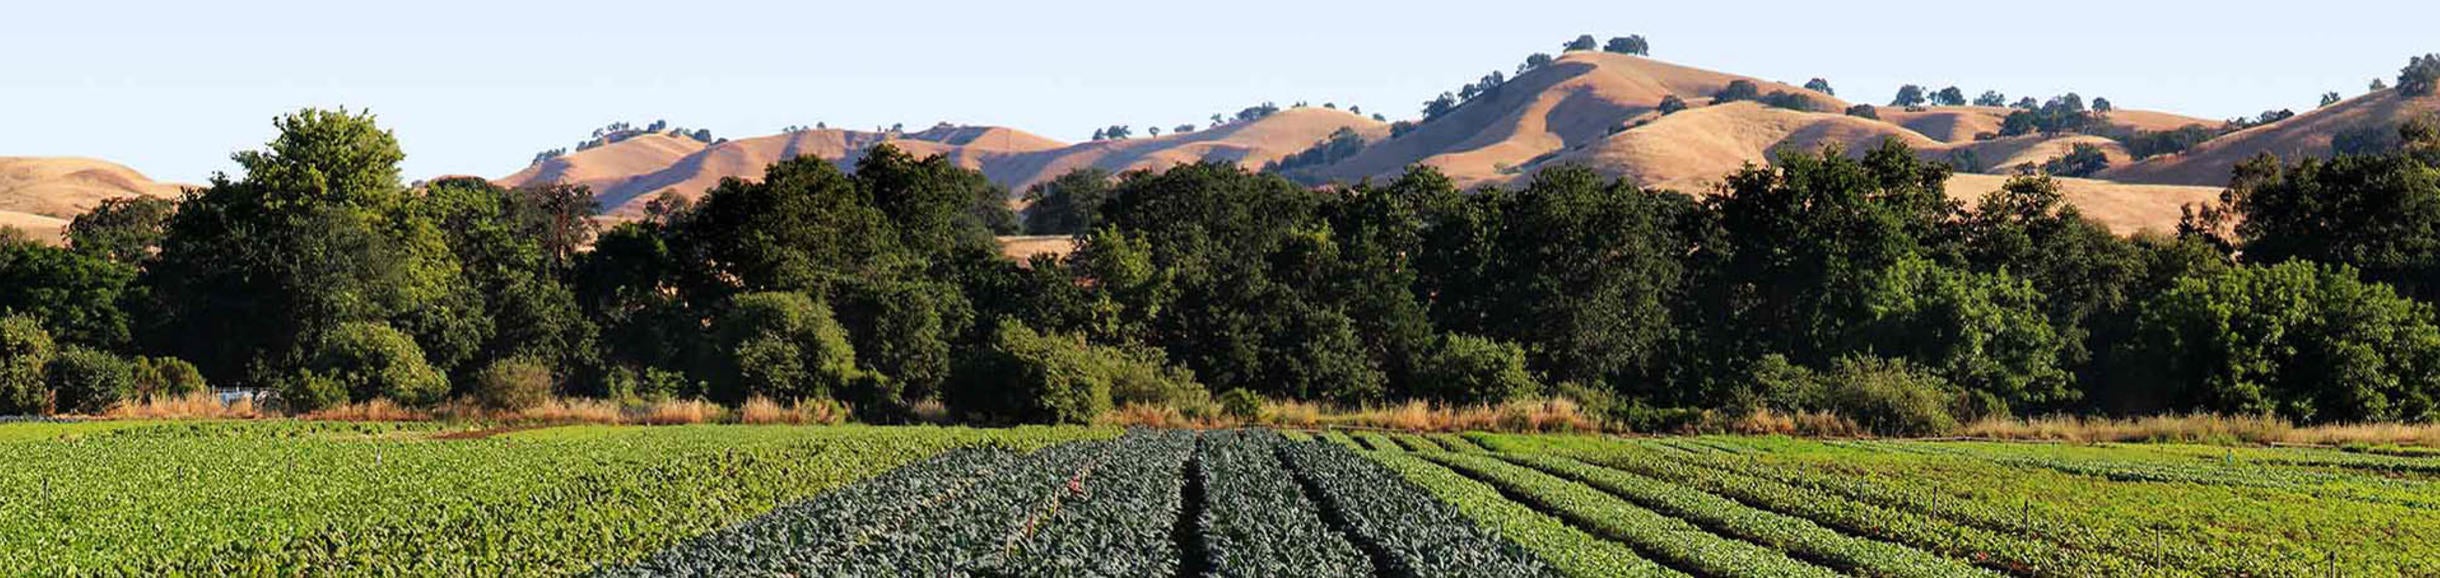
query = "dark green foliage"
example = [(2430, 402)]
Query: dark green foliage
[(24, 350), (1864, 111), (306, 392), (1909, 96), (2148, 144), (1257, 522), (1671, 104), (1986, 332), (1066, 205), (1633, 44), (1342, 144), (1950, 96), (319, 233), (1737, 91), (1584, 42), (167, 377), (513, 384), (374, 361), (902, 330), (76, 297), (2083, 160), (1469, 369), (2421, 77), (2306, 342), (1534, 62), (2330, 98), (123, 230), (88, 381), (2379, 214), (2064, 114), (1965, 160), (1991, 98), (1821, 86), (1790, 101)]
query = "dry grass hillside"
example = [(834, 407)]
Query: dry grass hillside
[(1958, 124), (1580, 99), (1691, 149), (40, 194), (2307, 134), (2125, 208), (626, 179), (606, 168)]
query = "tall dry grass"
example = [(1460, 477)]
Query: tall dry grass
[(761, 410), (375, 410), (198, 405), (1775, 422), (2202, 428)]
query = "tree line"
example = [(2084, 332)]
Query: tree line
[(1827, 281)]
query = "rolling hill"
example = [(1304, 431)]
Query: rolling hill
[(2308, 134), (40, 194)]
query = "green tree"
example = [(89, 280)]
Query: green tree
[(1584, 42), (1029, 377), (2421, 77), (2379, 214), (787, 346), (374, 361), (1821, 86), (1468, 369), (1909, 96), (1737, 90), (167, 377), (1671, 104), (1985, 332), (1864, 111), (123, 230), (2306, 342), (2083, 160), (1991, 98), (25, 349), (1634, 44), (77, 298), (1950, 96), (316, 235)]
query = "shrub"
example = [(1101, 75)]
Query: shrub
[(1887, 396), (1241, 404), (1030, 377), (372, 360), (307, 392), (2082, 161), (1469, 369), (1864, 111), (1737, 90), (1143, 375), (1672, 105), (24, 349), (166, 378), (88, 381), (513, 384)]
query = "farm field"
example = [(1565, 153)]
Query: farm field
[(285, 498)]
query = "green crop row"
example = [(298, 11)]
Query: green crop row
[(273, 499), (1666, 539), (1574, 552), (2005, 551), (1794, 535), (1407, 532), (1256, 522)]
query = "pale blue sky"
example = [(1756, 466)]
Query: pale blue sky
[(173, 87)]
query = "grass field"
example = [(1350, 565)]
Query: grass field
[(304, 498)]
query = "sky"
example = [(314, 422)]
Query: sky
[(173, 87)]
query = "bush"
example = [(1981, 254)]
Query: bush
[(2082, 161), (1672, 105), (372, 360), (1029, 377), (1142, 375), (308, 391), (1864, 111), (1241, 404), (2421, 77), (24, 350), (1469, 369), (167, 377), (513, 384), (88, 381), (1887, 396), (1737, 90)]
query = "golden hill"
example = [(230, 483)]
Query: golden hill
[(1012, 158), (2307, 134), (1581, 98), (40, 194)]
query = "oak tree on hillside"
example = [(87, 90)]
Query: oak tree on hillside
[(1909, 96)]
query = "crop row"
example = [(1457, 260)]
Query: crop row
[(2320, 484), (1117, 520), (1663, 538), (1797, 536), (1572, 551), (2006, 551), (1405, 531), (273, 499), (1256, 522)]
